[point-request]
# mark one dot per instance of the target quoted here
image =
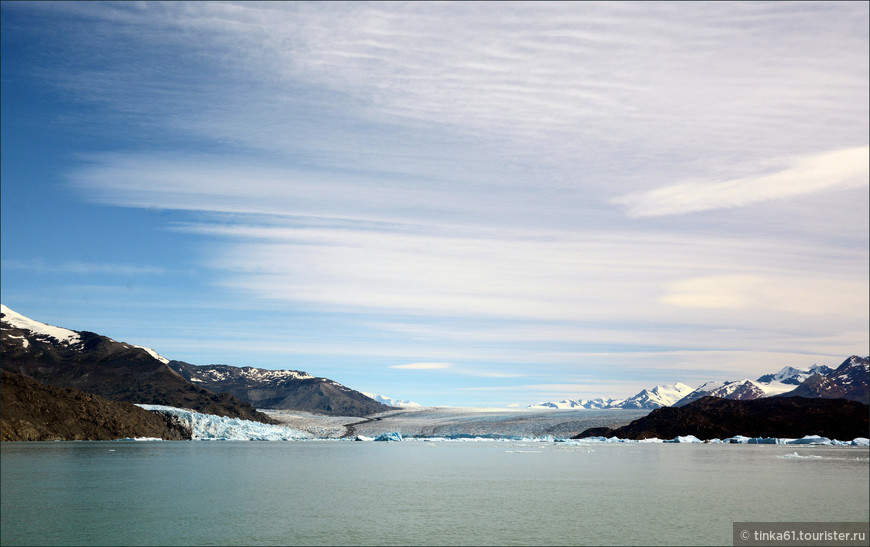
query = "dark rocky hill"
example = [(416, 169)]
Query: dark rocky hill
[(281, 389), (33, 411), (717, 418), (102, 366)]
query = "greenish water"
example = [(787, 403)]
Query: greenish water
[(417, 492)]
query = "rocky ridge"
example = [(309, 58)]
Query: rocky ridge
[(33, 411), (717, 418), (281, 389), (97, 364)]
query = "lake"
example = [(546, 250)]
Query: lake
[(418, 492)]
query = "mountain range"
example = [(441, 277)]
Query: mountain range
[(659, 396), (767, 417), (118, 371), (49, 370), (281, 389), (847, 381)]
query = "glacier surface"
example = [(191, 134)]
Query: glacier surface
[(209, 427)]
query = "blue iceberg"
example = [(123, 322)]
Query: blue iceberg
[(394, 436)]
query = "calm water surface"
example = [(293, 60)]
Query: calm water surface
[(417, 492)]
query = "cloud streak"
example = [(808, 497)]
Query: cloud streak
[(485, 190), (422, 366), (846, 168)]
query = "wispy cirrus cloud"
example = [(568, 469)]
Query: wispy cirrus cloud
[(496, 189), (422, 366), (84, 268), (846, 168)]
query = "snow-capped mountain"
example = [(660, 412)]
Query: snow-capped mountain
[(851, 380), (280, 389), (817, 381), (36, 330), (793, 376), (742, 390), (656, 397), (126, 372), (389, 401), (99, 365), (586, 404)]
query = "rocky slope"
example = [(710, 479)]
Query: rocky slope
[(848, 381), (99, 365), (32, 411), (281, 389), (739, 390), (717, 418)]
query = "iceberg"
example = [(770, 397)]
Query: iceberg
[(685, 439), (209, 427), (811, 439), (394, 436)]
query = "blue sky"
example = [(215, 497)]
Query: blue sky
[(475, 204)]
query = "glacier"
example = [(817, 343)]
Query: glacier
[(209, 427)]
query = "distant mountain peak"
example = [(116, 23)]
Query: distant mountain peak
[(793, 376), (850, 380), (389, 401), (652, 398)]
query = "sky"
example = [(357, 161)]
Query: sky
[(464, 204)]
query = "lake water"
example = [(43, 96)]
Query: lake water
[(417, 492)]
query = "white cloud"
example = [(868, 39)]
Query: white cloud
[(445, 174), (838, 169), (84, 268)]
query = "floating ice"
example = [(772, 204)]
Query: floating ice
[(685, 439), (811, 439), (393, 436), (209, 427), (796, 456), (141, 439), (737, 439)]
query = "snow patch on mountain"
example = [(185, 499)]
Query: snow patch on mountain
[(850, 370), (18, 321), (154, 354), (222, 373)]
